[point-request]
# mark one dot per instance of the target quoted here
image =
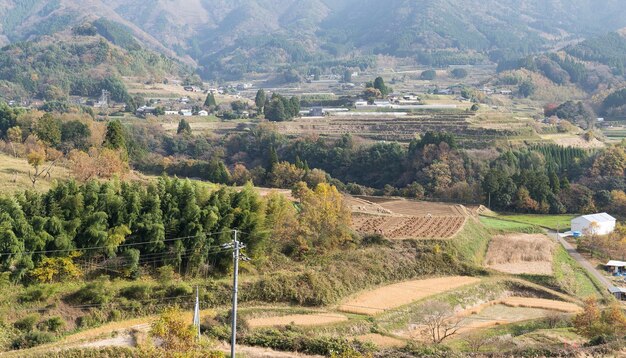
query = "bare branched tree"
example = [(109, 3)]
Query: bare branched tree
[(438, 320)]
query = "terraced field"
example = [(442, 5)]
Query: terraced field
[(400, 128), (400, 219)]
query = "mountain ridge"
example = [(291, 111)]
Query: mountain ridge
[(262, 34)]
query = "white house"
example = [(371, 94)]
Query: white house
[(186, 112), (598, 224), (203, 113)]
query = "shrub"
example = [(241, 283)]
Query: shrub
[(53, 324), (95, 293), (27, 323), (165, 274), (32, 339), (36, 294), (374, 240), (291, 339), (136, 292), (93, 319), (176, 290)]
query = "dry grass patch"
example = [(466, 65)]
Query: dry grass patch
[(392, 296), (319, 319), (14, 175), (381, 341), (542, 303), (521, 254)]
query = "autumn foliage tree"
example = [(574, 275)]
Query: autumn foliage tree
[(324, 219), (175, 332), (593, 321)]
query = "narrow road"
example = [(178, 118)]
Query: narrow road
[(581, 260)]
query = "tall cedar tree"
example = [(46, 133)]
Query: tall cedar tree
[(210, 100), (114, 138), (260, 98)]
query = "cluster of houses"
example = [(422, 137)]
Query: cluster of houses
[(145, 110)]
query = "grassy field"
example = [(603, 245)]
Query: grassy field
[(508, 226), (14, 175), (572, 277), (553, 222)]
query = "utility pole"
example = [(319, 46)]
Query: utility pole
[(196, 312), (233, 340), (237, 247)]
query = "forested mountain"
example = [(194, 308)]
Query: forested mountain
[(229, 38), (80, 62)]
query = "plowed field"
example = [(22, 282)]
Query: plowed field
[(406, 219)]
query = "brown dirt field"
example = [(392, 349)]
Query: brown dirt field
[(392, 296), (408, 227), (319, 319), (399, 219), (421, 208), (527, 268), (381, 341), (521, 254), (542, 303)]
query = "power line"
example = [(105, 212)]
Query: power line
[(117, 247)]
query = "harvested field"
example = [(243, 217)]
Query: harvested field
[(521, 254), (499, 314), (393, 296), (381, 341), (409, 227), (400, 128), (319, 319), (406, 219), (421, 208), (560, 306)]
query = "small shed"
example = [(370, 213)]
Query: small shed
[(618, 292), (615, 267), (594, 224)]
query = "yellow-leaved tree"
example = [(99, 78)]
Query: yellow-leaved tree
[(174, 331), (324, 217), (57, 269)]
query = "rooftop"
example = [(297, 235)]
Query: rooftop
[(603, 217)]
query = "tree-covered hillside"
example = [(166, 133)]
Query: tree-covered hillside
[(230, 38), (80, 65)]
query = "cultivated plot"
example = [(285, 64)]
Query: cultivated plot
[(521, 254), (393, 296), (317, 319)]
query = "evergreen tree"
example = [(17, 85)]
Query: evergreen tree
[(210, 100), (183, 127), (294, 106), (276, 111), (273, 159), (114, 137), (260, 99), (48, 129), (379, 84)]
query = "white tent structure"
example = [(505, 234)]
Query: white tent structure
[(595, 224)]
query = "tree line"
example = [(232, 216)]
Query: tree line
[(166, 222)]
